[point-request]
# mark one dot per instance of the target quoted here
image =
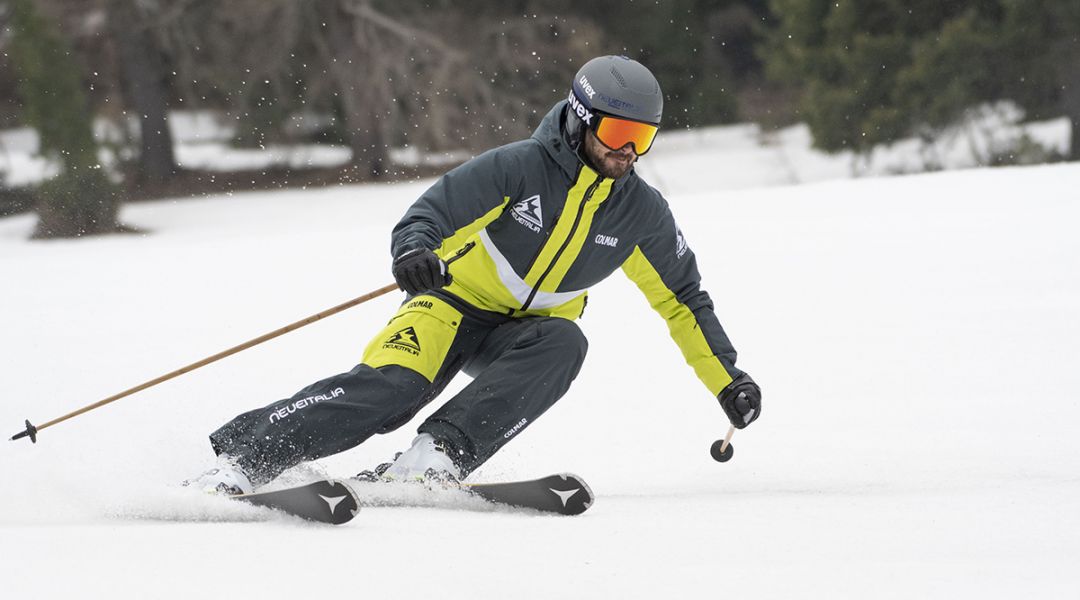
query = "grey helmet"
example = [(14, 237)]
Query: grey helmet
[(612, 85)]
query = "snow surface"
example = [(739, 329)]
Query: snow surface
[(916, 339)]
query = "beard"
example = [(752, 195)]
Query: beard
[(612, 164)]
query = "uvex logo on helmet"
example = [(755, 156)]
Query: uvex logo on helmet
[(585, 85), (578, 107)]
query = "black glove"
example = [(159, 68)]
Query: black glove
[(741, 400), (420, 270)]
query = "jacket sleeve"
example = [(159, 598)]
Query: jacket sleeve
[(461, 202), (665, 270)]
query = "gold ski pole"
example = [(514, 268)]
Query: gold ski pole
[(31, 430)]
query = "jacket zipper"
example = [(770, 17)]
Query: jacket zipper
[(547, 235), (577, 221)]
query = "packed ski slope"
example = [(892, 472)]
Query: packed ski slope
[(916, 339)]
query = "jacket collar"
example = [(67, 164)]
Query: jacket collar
[(550, 135)]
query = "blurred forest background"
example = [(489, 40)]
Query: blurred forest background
[(101, 80)]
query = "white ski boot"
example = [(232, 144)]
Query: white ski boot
[(425, 461), (226, 478)]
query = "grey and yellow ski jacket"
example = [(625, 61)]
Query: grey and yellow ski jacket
[(539, 228)]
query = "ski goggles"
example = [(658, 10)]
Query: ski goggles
[(615, 133)]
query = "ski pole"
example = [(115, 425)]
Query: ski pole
[(31, 430), (722, 450)]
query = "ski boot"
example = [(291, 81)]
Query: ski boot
[(226, 479), (426, 461)]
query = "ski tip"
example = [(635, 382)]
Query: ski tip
[(578, 505), (561, 493), (330, 501), (342, 508), (580, 481)]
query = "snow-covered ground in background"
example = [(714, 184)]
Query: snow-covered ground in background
[(916, 339), (737, 156)]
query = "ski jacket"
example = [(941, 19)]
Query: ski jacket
[(536, 228)]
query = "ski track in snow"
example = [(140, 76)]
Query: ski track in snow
[(915, 338)]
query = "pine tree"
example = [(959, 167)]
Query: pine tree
[(1044, 39), (80, 200), (874, 71), (674, 40)]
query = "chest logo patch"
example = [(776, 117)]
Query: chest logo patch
[(527, 213)]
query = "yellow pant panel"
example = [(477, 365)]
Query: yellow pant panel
[(418, 337)]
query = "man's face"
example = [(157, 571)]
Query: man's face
[(609, 163)]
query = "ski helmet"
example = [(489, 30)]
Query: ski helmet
[(621, 91)]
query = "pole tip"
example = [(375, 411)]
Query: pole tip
[(31, 432), (722, 450)]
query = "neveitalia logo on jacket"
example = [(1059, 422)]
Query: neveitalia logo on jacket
[(527, 212)]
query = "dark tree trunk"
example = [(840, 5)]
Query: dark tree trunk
[(366, 136), (145, 77), (1071, 103), (360, 80)]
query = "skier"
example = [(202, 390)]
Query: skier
[(528, 228)]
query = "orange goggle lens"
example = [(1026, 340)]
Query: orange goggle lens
[(616, 133)]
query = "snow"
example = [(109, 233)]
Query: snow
[(915, 337)]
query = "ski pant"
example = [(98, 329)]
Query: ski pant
[(521, 367)]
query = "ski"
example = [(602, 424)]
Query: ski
[(563, 494), (328, 501)]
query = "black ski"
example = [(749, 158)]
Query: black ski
[(564, 494), (328, 501)]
